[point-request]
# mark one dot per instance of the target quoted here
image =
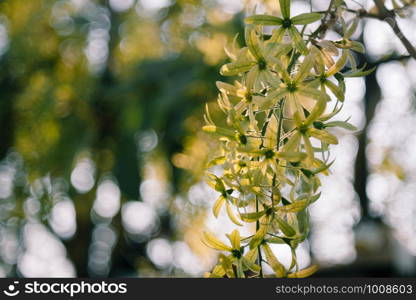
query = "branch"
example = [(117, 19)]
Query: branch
[(388, 16)]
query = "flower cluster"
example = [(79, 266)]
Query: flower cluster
[(276, 137)]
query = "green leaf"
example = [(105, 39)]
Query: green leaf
[(231, 214), (259, 236), (297, 39), (303, 222), (323, 168), (227, 265), (234, 238), (359, 73), (323, 136), (275, 240), (293, 207), (219, 130), (212, 242), (277, 267), (313, 93), (216, 161), (271, 99), (217, 206), (252, 255), (338, 65), (305, 68), (278, 49), (252, 217), (341, 124), (304, 273), (336, 90), (277, 35), (249, 265), (292, 156), (316, 112), (353, 27), (236, 68), (307, 18), (253, 43), (226, 87), (285, 227), (216, 183), (357, 47), (263, 20), (293, 142), (285, 8), (240, 273), (217, 272)]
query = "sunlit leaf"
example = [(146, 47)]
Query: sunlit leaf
[(297, 39), (306, 18), (285, 8), (341, 124), (277, 267), (263, 20), (323, 136), (293, 207), (217, 206), (285, 227), (234, 238), (291, 156), (212, 242), (231, 215), (304, 273), (252, 217)]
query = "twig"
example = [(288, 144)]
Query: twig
[(390, 18)]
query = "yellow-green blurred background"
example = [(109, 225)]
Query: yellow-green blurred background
[(102, 157)]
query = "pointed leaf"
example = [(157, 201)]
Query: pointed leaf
[(293, 142), (306, 18), (253, 43), (263, 20), (231, 215), (305, 68), (291, 156), (285, 227), (217, 206), (304, 273), (236, 68), (338, 65), (341, 124), (313, 93), (252, 217), (271, 99), (259, 236), (336, 90), (285, 8), (293, 207), (323, 136), (277, 267), (317, 111), (234, 238), (297, 39), (212, 242)]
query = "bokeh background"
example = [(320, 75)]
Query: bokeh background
[(102, 157)]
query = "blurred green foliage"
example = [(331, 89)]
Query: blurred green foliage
[(91, 80)]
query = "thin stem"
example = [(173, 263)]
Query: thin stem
[(260, 259), (279, 128), (390, 18), (323, 27)]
